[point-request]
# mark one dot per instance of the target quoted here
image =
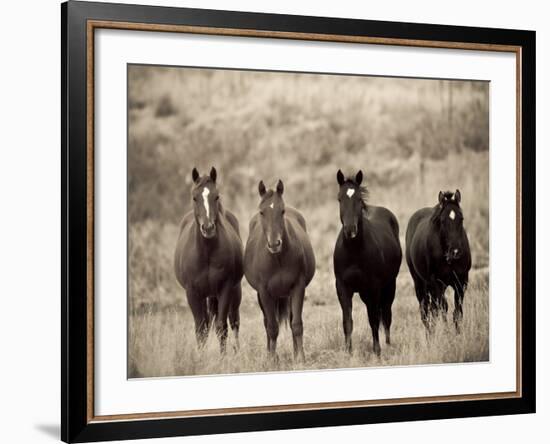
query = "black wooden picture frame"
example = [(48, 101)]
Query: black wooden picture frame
[(78, 423)]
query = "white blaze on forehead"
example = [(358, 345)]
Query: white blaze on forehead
[(205, 193), (350, 192), (452, 215), (271, 205)]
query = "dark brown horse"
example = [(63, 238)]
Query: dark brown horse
[(209, 261), (279, 264), (367, 258), (438, 255)]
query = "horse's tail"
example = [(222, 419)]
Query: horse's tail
[(283, 311), (211, 309)]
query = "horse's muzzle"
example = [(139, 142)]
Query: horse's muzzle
[(275, 247), (208, 230), (452, 255), (350, 232)]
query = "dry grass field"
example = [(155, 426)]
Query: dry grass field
[(411, 138)]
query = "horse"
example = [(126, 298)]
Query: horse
[(367, 257), (208, 261), (279, 264), (438, 256)]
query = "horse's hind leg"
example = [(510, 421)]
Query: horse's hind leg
[(436, 288), (372, 300), (197, 304), (224, 302), (296, 325), (211, 310), (387, 300), (345, 299), (234, 316)]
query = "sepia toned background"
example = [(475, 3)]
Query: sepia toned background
[(410, 137)]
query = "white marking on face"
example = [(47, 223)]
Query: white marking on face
[(452, 215), (350, 192), (271, 205), (205, 193)]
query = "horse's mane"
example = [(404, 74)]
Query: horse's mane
[(438, 209)]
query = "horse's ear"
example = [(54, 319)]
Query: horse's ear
[(195, 175), (213, 174), (457, 196), (340, 177), (359, 177), (280, 187), (261, 188), (441, 197)]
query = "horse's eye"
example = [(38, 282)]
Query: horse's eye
[(261, 213), (283, 212), (217, 197), (195, 199)]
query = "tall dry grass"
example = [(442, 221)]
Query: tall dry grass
[(412, 138)]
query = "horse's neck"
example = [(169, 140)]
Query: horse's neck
[(290, 236), (364, 233), (204, 245)]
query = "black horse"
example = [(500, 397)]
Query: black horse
[(279, 264), (367, 258), (438, 255), (208, 261)]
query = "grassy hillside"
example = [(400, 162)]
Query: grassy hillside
[(412, 138)]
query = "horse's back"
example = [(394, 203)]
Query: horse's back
[(418, 219), (384, 218), (232, 219), (416, 236), (386, 229), (297, 216), (252, 250), (420, 243), (186, 222), (299, 226), (184, 238)]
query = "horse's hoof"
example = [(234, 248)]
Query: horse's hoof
[(273, 358)]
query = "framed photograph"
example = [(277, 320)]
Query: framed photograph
[(276, 221)]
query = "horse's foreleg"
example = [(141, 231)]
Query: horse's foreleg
[(423, 302), (460, 284), (224, 300), (345, 298), (297, 300), (267, 304), (444, 307), (387, 300), (234, 317), (197, 304)]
